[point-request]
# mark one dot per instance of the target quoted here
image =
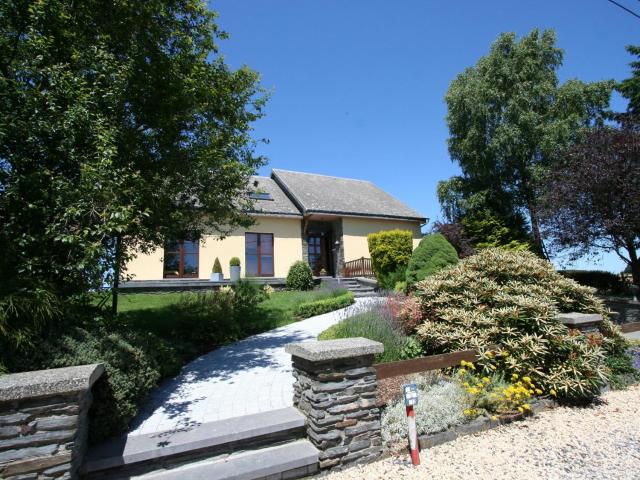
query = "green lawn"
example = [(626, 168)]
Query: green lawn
[(159, 312)]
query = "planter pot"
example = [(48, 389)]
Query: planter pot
[(235, 273), (216, 277)]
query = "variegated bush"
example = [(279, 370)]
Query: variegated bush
[(511, 299)]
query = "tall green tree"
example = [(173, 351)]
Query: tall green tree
[(120, 126), (508, 118), (630, 87)]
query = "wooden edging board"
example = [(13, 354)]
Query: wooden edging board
[(424, 364), (630, 327)]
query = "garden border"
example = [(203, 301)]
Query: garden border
[(425, 364)]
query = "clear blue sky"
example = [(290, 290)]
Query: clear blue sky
[(358, 86)]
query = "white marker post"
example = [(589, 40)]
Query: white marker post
[(410, 400)]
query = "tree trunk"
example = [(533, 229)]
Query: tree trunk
[(538, 244), (116, 276), (634, 263)]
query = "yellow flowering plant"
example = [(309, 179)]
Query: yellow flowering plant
[(493, 394)]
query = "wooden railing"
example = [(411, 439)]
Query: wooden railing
[(358, 268)]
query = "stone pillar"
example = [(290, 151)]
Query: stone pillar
[(335, 388), (584, 322), (338, 248), (305, 246), (43, 422)]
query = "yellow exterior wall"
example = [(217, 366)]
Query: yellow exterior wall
[(287, 248), (355, 231)]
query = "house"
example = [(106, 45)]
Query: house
[(320, 219)]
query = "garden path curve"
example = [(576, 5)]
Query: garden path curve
[(250, 376)]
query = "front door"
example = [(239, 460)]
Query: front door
[(317, 251)]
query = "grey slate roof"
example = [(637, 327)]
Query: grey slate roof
[(280, 205), (341, 196)]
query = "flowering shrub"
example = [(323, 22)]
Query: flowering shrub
[(511, 299), (493, 394), (268, 289), (406, 310)]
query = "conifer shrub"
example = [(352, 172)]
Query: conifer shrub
[(217, 267), (390, 252), (432, 254), (511, 299), (300, 276)]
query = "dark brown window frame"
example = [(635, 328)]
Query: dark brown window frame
[(259, 255), (181, 255)]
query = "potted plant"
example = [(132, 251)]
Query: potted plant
[(216, 271), (234, 265)]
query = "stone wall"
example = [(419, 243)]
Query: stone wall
[(335, 388), (625, 310), (43, 422)]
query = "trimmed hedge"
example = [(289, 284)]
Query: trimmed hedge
[(434, 253), (311, 309), (300, 276), (390, 251), (604, 282)]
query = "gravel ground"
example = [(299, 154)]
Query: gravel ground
[(599, 442)]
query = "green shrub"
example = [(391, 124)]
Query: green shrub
[(318, 307), (400, 287), (376, 324), (24, 312), (622, 371), (390, 252), (300, 276), (440, 406), (217, 268), (388, 281), (604, 282), (511, 299), (432, 254), (133, 363), (234, 262), (217, 318)]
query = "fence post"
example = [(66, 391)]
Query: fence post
[(335, 388)]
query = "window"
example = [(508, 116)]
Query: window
[(181, 259), (261, 196), (258, 249)]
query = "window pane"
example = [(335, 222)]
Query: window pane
[(266, 244), (172, 246), (190, 247), (267, 265), (171, 264), (251, 244), (190, 265), (251, 264)]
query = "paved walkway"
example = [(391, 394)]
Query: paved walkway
[(249, 376)]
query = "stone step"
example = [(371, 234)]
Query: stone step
[(365, 294), (287, 461), (138, 454)]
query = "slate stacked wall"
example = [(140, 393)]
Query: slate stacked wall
[(44, 436), (338, 398)]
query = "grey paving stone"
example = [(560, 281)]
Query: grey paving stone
[(249, 465), (250, 376), (142, 448)]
